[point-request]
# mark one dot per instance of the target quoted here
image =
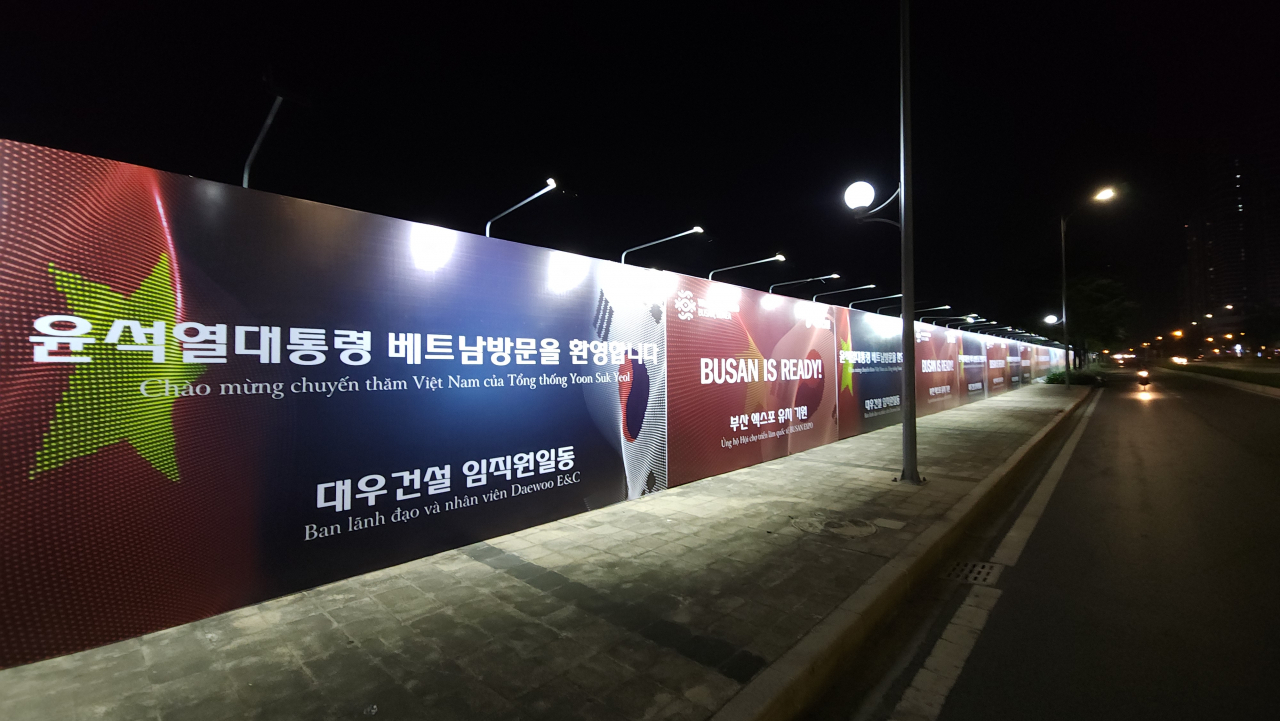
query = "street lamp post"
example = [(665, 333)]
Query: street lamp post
[(859, 196), (844, 290), (910, 471), (694, 229), (806, 280), (1062, 226), (1102, 196), (551, 185), (779, 257)]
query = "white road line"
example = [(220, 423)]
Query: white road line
[(1016, 539), (928, 691), (924, 698)]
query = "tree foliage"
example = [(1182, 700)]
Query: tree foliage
[(1099, 312)]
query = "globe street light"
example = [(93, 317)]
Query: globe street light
[(1051, 320), (859, 195), (694, 229), (779, 257), (971, 318), (843, 290), (823, 278), (551, 185)]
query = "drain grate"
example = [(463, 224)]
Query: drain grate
[(975, 572)]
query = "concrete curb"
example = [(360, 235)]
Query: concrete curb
[(786, 688), (1258, 388)]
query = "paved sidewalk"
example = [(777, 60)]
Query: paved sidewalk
[(661, 608)]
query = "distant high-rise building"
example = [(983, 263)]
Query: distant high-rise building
[(1233, 240)]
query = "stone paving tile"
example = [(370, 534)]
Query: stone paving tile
[(661, 608)]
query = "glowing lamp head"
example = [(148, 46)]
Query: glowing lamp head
[(697, 228), (834, 275), (1105, 194), (1051, 319), (551, 182), (859, 195), (779, 257)]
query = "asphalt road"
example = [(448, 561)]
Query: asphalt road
[(1151, 586)]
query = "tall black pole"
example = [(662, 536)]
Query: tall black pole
[(910, 472), (1066, 339)]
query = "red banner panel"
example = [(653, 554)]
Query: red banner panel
[(938, 371), (999, 379), (751, 377)]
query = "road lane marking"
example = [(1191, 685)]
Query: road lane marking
[(928, 691), (1016, 539)]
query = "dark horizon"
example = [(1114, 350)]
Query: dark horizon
[(750, 126)]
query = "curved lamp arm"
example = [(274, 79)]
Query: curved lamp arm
[(806, 280), (843, 290), (694, 229), (868, 300), (551, 185), (778, 257)]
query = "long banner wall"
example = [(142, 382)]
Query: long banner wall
[(211, 396)]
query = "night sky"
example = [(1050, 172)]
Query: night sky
[(748, 123)]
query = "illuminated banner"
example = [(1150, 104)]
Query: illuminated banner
[(1026, 359), (750, 377), (212, 396), (938, 371), (973, 362), (999, 376), (870, 356)]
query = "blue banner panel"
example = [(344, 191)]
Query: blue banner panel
[(214, 396)]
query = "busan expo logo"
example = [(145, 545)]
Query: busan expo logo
[(685, 305)]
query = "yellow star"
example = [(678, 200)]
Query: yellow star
[(103, 403)]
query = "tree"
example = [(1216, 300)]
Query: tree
[(1099, 312)]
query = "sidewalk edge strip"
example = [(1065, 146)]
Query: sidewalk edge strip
[(784, 689)]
